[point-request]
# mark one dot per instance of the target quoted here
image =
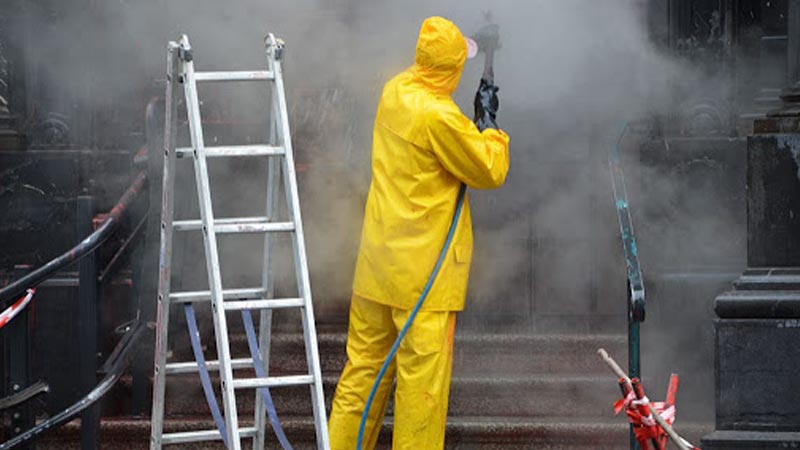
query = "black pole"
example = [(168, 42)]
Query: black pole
[(87, 319), (140, 369)]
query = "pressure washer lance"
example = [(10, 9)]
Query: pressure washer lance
[(488, 40), (682, 443), (486, 103)]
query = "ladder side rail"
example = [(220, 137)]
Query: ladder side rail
[(301, 264), (165, 252), (212, 256), (265, 316)]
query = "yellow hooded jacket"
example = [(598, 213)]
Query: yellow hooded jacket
[(423, 149)]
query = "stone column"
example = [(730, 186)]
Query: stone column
[(758, 326), (757, 333)]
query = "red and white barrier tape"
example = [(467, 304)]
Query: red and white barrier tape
[(646, 428), (16, 308)]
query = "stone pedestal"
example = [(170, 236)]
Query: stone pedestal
[(758, 362), (750, 440)]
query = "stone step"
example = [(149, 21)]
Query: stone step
[(483, 433), (465, 433), (509, 396), (745, 440), (486, 354)]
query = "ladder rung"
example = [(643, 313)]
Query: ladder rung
[(196, 224), (264, 304), (200, 436), (236, 225), (233, 150), (227, 294), (191, 367), (253, 383), (248, 227), (245, 75)]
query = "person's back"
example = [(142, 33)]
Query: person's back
[(424, 148)]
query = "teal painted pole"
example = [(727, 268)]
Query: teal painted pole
[(633, 359)]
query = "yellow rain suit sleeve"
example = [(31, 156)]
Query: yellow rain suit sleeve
[(478, 159), (423, 148)]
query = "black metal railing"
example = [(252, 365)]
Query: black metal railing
[(85, 247), (85, 253), (113, 367)]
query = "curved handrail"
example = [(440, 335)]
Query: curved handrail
[(85, 247), (636, 295), (40, 387), (636, 303), (116, 364)]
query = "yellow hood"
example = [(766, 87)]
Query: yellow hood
[(440, 56)]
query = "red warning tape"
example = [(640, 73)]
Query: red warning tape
[(640, 412), (645, 427), (16, 308)]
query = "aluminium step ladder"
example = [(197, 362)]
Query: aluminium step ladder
[(280, 162)]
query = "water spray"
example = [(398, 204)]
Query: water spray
[(488, 40)]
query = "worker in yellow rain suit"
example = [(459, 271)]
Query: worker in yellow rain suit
[(424, 148)]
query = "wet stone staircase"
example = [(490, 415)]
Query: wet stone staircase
[(509, 392)]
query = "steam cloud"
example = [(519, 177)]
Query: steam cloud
[(569, 72)]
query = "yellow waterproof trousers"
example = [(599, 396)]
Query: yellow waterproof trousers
[(422, 366)]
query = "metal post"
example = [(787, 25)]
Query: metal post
[(87, 320), (17, 360), (633, 357)]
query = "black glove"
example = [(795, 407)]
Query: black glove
[(486, 105)]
